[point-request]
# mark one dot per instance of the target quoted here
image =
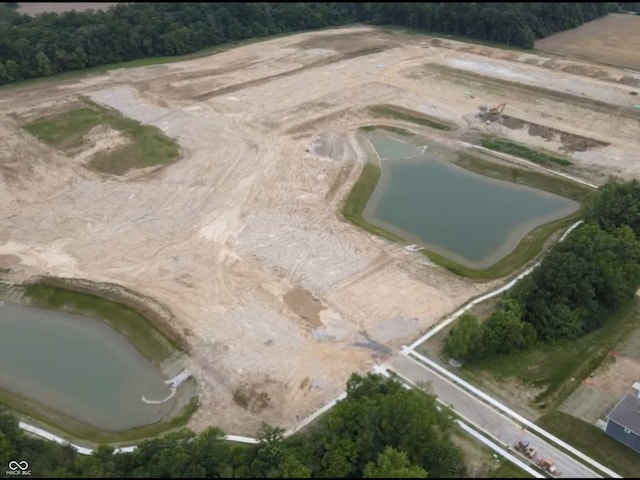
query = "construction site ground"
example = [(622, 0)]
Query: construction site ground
[(278, 297)]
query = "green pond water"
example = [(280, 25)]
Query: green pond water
[(467, 217), (80, 367)]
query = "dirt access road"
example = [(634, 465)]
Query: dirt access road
[(231, 235)]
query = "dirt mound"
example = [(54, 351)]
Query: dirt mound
[(99, 139), (251, 398), (570, 142)]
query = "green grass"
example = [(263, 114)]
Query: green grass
[(559, 368), (132, 325), (358, 198), (148, 145), (540, 157), (65, 131), (593, 442), (407, 115), (509, 470)]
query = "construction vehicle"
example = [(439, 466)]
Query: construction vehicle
[(494, 113), (497, 110), (548, 466), (525, 448)]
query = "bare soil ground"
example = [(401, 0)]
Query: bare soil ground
[(41, 7), (612, 40), (303, 303), (251, 212), (599, 393), (100, 139)]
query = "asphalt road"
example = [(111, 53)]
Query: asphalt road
[(486, 418)]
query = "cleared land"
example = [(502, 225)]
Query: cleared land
[(612, 40), (277, 297)]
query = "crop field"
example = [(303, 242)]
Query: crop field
[(611, 40)]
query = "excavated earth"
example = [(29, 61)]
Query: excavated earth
[(278, 298)]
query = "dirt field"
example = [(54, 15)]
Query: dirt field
[(612, 40), (278, 297), (40, 7)]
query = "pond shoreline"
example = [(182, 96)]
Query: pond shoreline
[(533, 242), (170, 360)]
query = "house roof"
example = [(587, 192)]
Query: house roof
[(627, 413)]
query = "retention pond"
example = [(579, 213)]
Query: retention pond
[(425, 198), (79, 367)]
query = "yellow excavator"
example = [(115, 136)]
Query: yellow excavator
[(497, 110)]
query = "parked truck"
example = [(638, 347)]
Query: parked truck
[(548, 466), (525, 448)]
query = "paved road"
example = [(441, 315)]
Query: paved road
[(486, 418)]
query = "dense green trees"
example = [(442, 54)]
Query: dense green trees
[(381, 430), (393, 464), (581, 283), (379, 414), (618, 204), (504, 332), (630, 7), (52, 43), (465, 338)]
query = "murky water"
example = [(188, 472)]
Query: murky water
[(465, 216), (80, 367)]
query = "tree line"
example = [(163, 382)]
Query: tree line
[(51, 43), (380, 430), (630, 7), (579, 285)]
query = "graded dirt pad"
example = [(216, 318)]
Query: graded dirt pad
[(599, 393), (613, 40), (7, 261), (250, 212)]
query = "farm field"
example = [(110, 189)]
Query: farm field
[(611, 40)]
